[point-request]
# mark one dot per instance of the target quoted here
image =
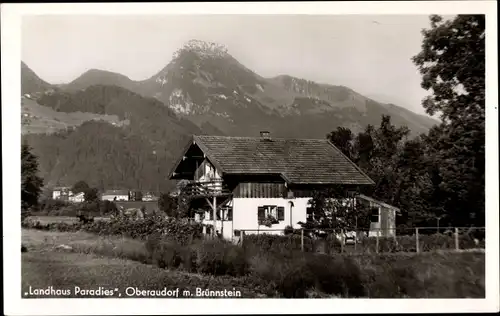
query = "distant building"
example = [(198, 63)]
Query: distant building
[(148, 196), (116, 195), (136, 195), (61, 193), (77, 198)]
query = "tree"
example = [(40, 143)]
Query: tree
[(342, 138), (168, 205), (333, 208), (80, 186), (31, 183), (452, 64), (91, 195)]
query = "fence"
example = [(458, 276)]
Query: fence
[(417, 239)]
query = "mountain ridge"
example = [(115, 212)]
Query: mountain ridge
[(200, 74), (199, 92)]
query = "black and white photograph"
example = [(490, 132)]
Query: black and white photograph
[(315, 157)]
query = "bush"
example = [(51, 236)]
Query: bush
[(294, 273), (218, 257), (408, 243), (277, 243), (280, 243), (167, 254), (49, 204), (180, 231), (287, 275), (337, 275)]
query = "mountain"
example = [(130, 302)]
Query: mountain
[(101, 77), (30, 82), (107, 155), (204, 83), (39, 119), (129, 133)]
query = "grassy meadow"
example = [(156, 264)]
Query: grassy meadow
[(87, 260)]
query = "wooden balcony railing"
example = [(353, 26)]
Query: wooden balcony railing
[(206, 188)]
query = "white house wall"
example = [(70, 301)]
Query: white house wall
[(245, 213), (112, 197)]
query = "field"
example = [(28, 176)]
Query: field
[(65, 260), (86, 263), (42, 119)]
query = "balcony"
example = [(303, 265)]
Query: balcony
[(206, 188)]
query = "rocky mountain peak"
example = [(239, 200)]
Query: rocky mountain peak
[(203, 49)]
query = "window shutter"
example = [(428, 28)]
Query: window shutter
[(281, 213), (261, 213)]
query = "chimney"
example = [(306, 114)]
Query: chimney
[(265, 135)]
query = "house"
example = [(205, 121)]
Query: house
[(115, 195), (149, 206), (61, 193), (241, 181), (77, 198), (149, 197), (382, 218)]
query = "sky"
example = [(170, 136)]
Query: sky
[(369, 54)]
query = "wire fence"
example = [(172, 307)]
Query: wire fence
[(417, 239)]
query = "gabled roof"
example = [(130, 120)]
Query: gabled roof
[(61, 189), (115, 192), (297, 161), (380, 203)]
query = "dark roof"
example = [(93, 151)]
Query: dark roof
[(298, 161), (116, 192)]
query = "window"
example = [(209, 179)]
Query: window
[(229, 213), (278, 212), (375, 215), (310, 214)]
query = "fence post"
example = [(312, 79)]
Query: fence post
[(417, 243), (342, 240), (457, 246), (355, 239), (302, 239), (378, 232)]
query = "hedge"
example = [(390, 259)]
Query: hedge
[(182, 231)]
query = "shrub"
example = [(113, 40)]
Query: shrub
[(167, 254), (286, 274), (277, 243), (293, 273), (218, 257), (407, 243), (180, 231), (49, 204), (280, 243), (336, 275)]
